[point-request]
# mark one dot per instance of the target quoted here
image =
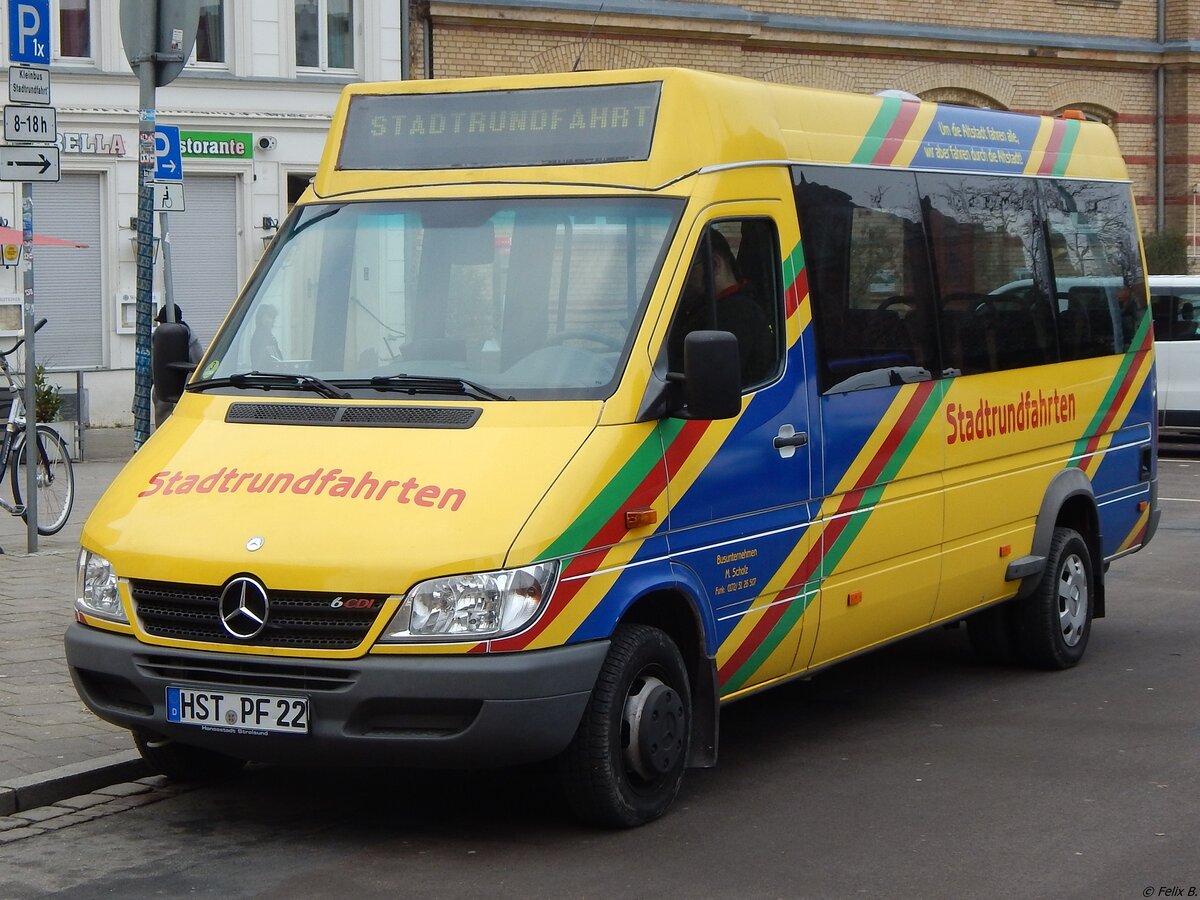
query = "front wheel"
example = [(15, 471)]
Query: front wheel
[(55, 479), (625, 764), (1053, 624)]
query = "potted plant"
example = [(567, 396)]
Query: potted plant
[(47, 397)]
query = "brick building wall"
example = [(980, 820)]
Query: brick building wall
[(1102, 56)]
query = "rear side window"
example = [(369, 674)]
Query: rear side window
[(937, 274), (1096, 265), (868, 277), (995, 312)]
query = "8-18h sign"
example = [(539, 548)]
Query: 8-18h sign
[(29, 32)]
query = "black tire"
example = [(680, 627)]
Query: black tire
[(1053, 623), (625, 764), (55, 479), (183, 762)]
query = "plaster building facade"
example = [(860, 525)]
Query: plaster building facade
[(273, 69)]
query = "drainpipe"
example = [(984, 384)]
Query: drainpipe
[(428, 45), (404, 27), (1160, 122)]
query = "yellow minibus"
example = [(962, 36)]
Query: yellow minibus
[(565, 409)]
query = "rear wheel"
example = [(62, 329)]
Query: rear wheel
[(55, 479), (625, 764), (183, 762), (1053, 624)]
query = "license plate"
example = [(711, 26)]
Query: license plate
[(242, 713)]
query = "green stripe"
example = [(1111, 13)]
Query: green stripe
[(774, 638), (616, 492), (1068, 145), (888, 110), (1111, 394), (873, 495)]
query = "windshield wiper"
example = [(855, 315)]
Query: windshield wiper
[(426, 384), (273, 381)]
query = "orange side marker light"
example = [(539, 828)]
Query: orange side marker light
[(854, 598), (1006, 549), (640, 517)]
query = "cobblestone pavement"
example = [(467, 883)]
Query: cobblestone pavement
[(103, 801), (43, 724)]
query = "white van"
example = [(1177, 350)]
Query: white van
[(1176, 301)]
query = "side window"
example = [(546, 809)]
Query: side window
[(1184, 327), (733, 285), (868, 276), (1175, 315), (994, 309), (1097, 268)]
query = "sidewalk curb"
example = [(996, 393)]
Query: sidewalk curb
[(44, 788)]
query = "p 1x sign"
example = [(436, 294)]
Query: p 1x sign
[(29, 32)]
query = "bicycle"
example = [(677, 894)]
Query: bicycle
[(55, 476)]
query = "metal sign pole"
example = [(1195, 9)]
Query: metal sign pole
[(145, 253), (30, 373), (168, 287)]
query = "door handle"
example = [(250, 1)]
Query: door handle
[(788, 440)]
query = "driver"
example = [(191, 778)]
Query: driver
[(738, 308)]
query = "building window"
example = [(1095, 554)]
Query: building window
[(325, 34), (210, 35), (75, 28)]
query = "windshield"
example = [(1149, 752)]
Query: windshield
[(533, 299)]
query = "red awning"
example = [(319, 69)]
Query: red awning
[(14, 236)]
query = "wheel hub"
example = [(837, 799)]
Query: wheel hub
[(654, 715), (1072, 600)]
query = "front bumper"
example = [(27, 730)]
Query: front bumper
[(420, 710)]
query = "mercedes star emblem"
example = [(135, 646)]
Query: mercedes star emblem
[(244, 608)]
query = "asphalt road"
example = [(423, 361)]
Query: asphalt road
[(913, 772)]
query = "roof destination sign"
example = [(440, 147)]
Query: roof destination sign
[(481, 129)]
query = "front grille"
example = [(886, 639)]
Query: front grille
[(243, 673), (353, 416), (299, 620)]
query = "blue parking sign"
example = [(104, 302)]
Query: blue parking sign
[(168, 160), (29, 32)]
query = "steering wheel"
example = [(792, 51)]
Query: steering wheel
[(898, 300), (606, 341)]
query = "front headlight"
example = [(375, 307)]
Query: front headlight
[(479, 605), (96, 588)]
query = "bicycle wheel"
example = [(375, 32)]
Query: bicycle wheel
[(55, 479)]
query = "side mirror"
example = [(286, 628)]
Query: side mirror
[(712, 375), (168, 350)]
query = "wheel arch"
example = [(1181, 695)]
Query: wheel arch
[(674, 612), (1069, 502)]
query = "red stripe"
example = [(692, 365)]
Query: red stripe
[(1052, 147), (896, 435), (795, 293), (610, 533), (1122, 392), (894, 139), (832, 531)]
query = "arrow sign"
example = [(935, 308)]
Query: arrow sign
[(29, 164), (168, 160)]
